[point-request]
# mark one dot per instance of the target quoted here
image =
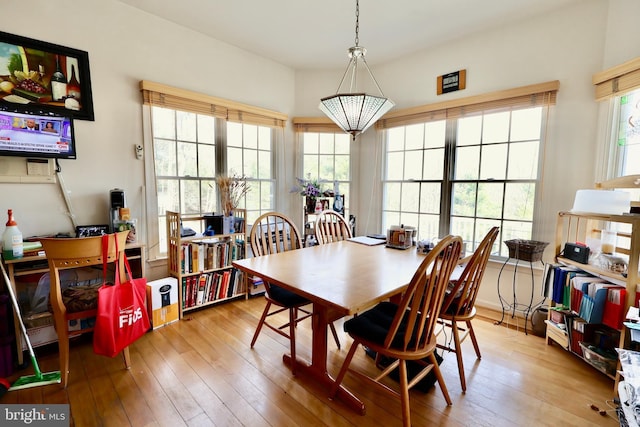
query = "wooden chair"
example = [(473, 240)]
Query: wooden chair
[(64, 254), (405, 331), (273, 233), (331, 227), (459, 304)]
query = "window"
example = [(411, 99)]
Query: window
[(326, 158), (466, 169), (193, 138)]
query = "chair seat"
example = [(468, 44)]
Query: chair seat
[(373, 325), (286, 298), (451, 314)]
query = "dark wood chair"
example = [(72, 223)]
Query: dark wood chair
[(273, 233), (331, 227), (65, 254), (405, 332), (458, 309)]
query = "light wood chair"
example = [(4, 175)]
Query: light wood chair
[(405, 331), (273, 233), (459, 304), (64, 254), (331, 227)]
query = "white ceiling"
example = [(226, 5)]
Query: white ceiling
[(315, 34)]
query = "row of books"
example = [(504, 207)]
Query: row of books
[(591, 298), (209, 287), (208, 255)]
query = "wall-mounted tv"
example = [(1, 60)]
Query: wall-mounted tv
[(36, 135)]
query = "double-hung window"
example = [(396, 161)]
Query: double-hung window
[(467, 166), (192, 139)]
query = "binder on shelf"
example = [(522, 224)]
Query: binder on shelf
[(614, 307)]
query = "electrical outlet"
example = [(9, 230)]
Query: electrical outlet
[(139, 151)]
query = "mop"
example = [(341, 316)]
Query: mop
[(39, 378)]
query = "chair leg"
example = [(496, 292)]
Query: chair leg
[(458, 350), (126, 357), (343, 370), (292, 337), (404, 394), (473, 339), (261, 323), (440, 378), (335, 335), (63, 349)]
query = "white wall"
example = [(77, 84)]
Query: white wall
[(126, 46)]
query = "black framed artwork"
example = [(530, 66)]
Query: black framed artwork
[(40, 76)]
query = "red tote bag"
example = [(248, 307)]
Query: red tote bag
[(122, 314)]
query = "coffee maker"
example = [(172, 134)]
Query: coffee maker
[(117, 201)]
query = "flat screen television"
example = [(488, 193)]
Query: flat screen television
[(36, 135)]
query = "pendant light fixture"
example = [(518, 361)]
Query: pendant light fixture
[(355, 111)]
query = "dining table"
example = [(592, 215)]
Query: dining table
[(339, 279)]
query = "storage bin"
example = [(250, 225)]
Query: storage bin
[(602, 362)]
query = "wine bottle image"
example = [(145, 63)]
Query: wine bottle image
[(58, 83), (73, 87)]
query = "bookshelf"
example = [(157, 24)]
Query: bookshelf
[(584, 337), (202, 263)]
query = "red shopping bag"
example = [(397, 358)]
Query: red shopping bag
[(122, 315)]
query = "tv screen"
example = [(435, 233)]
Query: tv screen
[(36, 135)]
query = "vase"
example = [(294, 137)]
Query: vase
[(310, 205)]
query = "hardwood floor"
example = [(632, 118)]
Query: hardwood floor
[(201, 372)]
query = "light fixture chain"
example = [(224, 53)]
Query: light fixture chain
[(357, 22)]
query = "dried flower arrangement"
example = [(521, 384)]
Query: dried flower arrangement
[(232, 189)]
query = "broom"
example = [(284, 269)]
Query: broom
[(39, 378)]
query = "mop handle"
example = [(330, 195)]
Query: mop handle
[(16, 307)]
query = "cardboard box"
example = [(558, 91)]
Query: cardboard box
[(162, 301), (40, 335)]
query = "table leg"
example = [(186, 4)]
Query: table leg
[(317, 369)]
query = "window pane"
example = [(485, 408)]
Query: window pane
[(187, 160), (209, 196), (394, 165), (415, 137), (168, 195), (310, 143), (190, 192), (410, 197), (430, 198), (464, 199), (490, 200), (518, 203), (495, 127), (413, 165), (428, 226), (467, 162), (523, 160), (343, 143), (206, 129), (342, 168), (525, 124), (433, 164), (165, 157), (264, 165), (250, 136), (326, 144), (310, 166), (395, 139), (249, 164), (207, 160), (469, 131), (234, 160), (164, 123), (234, 134), (494, 161), (266, 195), (186, 126), (435, 134), (326, 168), (464, 228), (392, 196)]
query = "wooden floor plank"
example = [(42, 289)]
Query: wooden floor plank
[(202, 372)]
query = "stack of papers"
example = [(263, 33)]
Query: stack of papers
[(369, 241)]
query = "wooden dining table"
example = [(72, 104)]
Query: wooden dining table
[(340, 279)]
